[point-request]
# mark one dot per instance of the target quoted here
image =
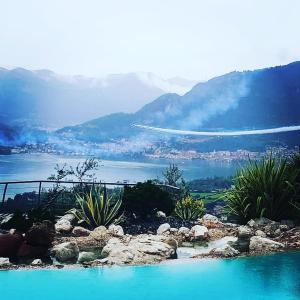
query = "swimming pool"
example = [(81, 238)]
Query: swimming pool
[(273, 277)]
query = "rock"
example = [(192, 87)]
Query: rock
[(29, 251), (116, 230), (10, 244), (260, 233), (211, 221), (208, 217), (141, 249), (163, 229), (80, 231), (70, 216), (6, 220), (226, 251), (66, 252), (289, 223), (271, 229), (99, 233), (37, 262), (262, 245), (4, 262), (198, 233), (161, 214), (277, 232), (40, 234), (244, 232), (89, 244), (86, 257), (173, 230), (283, 227), (256, 223), (63, 226), (184, 231)]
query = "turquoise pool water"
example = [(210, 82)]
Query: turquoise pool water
[(273, 277)]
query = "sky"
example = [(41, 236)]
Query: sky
[(194, 39)]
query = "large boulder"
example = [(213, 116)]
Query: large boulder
[(63, 226), (226, 251), (10, 244), (198, 233), (4, 262), (86, 257), (163, 229), (99, 233), (66, 252), (211, 221), (116, 230), (244, 232), (80, 231), (141, 249), (263, 245)]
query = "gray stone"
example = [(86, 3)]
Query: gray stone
[(86, 257), (260, 244), (198, 233), (260, 233), (244, 232), (4, 262), (116, 230), (161, 214), (99, 233), (184, 231), (65, 252), (226, 251), (141, 249), (37, 262), (163, 228), (80, 231), (63, 226)]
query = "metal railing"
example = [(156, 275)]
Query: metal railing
[(28, 193)]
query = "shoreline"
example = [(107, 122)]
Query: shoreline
[(179, 261)]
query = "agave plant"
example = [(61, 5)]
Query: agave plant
[(266, 188), (189, 209), (97, 209)]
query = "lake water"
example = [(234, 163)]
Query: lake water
[(274, 277), (40, 166)]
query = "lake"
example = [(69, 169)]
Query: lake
[(40, 166), (273, 277)]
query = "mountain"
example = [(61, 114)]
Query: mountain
[(235, 101), (43, 99)]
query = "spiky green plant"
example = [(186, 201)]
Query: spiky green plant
[(264, 188), (97, 209), (189, 209)]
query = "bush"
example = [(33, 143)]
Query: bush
[(144, 199), (189, 209), (97, 209), (267, 188)]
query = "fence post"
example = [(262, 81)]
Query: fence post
[(4, 193), (40, 188)]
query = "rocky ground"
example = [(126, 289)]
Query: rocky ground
[(67, 244)]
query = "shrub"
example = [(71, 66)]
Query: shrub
[(144, 199), (189, 209), (267, 188), (97, 209)]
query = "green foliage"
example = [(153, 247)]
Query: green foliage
[(174, 176), (189, 209), (144, 199), (97, 209), (266, 188)]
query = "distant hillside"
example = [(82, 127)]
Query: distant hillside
[(238, 100), (45, 99)]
